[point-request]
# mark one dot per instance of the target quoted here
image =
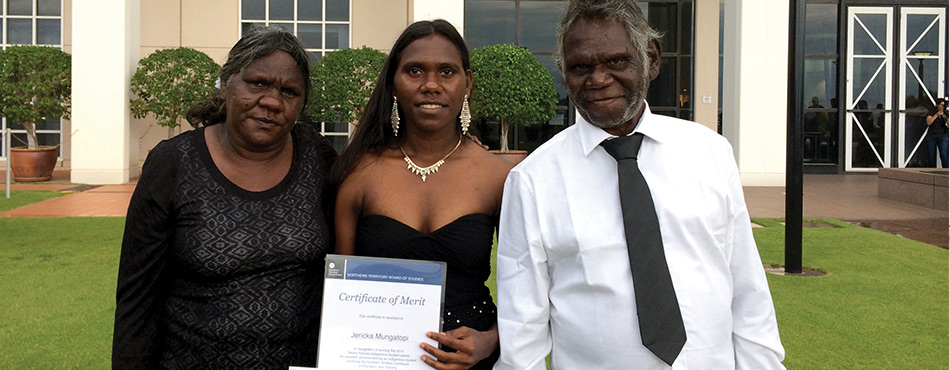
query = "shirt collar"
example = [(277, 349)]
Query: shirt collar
[(591, 136)]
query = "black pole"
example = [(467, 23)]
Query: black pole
[(793, 173)]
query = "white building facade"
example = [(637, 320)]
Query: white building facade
[(871, 68)]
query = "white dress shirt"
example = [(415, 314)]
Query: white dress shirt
[(564, 281)]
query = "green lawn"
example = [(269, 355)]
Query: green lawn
[(883, 306), (20, 198), (58, 278)]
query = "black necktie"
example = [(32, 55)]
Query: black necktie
[(661, 324)]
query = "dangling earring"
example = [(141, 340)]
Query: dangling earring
[(394, 117), (466, 116)]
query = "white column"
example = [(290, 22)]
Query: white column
[(706, 63), (450, 10), (104, 55), (755, 88)]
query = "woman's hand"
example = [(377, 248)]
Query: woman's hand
[(930, 119), (475, 140), (471, 346)]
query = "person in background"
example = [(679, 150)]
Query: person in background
[(937, 134), (444, 205), (226, 234), (625, 242)]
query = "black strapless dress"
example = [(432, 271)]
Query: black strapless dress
[(464, 245)]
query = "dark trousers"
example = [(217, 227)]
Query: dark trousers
[(935, 145)]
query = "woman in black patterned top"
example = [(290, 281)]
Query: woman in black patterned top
[(222, 258)]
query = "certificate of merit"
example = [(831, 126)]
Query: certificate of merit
[(376, 312)]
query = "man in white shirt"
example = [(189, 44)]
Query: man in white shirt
[(564, 278)]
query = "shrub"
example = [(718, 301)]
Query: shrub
[(342, 82), (512, 87), (35, 83), (169, 81)]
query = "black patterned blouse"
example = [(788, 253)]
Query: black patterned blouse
[(216, 277)]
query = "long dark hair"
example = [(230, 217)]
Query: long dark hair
[(374, 131), (259, 42)]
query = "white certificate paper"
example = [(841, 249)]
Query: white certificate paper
[(376, 311)]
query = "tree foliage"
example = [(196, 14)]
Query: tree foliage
[(35, 83), (169, 81), (342, 82), (512, 87)]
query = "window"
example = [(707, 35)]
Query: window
[(32, 22), (671, 93), (530, 24), (821, 84), (321, 25)]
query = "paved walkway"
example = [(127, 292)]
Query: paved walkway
[(845, 197), (84, 201), (851, 197)]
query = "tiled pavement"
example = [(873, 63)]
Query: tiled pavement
[(844, 197), (100, 201), (851, 197)]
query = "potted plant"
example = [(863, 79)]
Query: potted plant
[(34, 85), (169, 81), (511, 87), (341, 83)]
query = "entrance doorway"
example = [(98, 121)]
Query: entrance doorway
[(885, 125)]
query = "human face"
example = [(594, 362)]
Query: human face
[(430, 83), (263, 102), (605, 76)]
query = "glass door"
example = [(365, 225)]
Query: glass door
[(922, 78), (868, 88)]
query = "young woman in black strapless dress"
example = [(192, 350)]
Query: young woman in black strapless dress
[(392, 202)]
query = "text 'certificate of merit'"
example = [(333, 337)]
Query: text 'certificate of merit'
[(376, 311)]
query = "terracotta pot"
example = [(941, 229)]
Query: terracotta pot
[(33, 165), (512, 156)]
